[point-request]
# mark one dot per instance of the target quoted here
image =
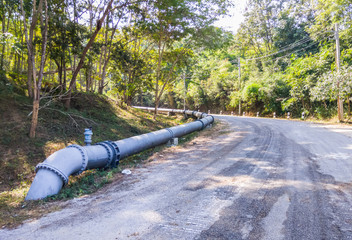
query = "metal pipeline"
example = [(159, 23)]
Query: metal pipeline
[(54, 172)]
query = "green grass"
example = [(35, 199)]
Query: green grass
[(87, 183), (57, 129)]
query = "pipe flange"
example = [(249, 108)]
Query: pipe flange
[(84, 154), (109, 151), (203, 126), (116, 153), (63, 176)]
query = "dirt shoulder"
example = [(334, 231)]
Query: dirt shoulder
[(29, 211)]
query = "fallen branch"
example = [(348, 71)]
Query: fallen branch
[(86, 120)]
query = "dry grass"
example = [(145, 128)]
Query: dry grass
[(20, 154)]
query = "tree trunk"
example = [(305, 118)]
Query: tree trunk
[(349, 106), (81, 82), (84, 53), (59, 71), (107, 58), (171, 100), (167, 79), (129, 100), (63, 67), (34, 121), (29, 76), (30, 46), (73, 69), (37, 84), (22, 58), (158, 74), (141, 97), (3, 45), (87, 79)]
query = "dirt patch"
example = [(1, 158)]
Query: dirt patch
[(14, 211)]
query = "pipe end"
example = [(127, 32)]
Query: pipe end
[(45, 183)]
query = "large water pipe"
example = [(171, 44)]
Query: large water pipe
[(54, 172)]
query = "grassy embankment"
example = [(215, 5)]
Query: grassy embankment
[(58, 128)]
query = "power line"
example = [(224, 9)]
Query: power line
[(275, 59), (298, 50), (293, 45), (287, 47)]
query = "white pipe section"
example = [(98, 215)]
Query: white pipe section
[(54, 172)]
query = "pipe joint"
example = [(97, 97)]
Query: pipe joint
[(113, 153), (84, 157), (203, 125), (213, 119), (57, 171), (171, 132)]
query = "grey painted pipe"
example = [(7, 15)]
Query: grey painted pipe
[(54, 172), (187, 112)]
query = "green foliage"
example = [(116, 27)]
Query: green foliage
[(326, 87), (250, 93), (143, 51), (290, 52), (131, 70)]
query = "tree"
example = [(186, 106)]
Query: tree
[(326, 88), (132, 56), (87, 47), (37, 12), (170, 21)]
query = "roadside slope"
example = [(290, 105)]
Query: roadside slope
[(58, 128)]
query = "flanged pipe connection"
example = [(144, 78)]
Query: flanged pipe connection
[(55, 171)]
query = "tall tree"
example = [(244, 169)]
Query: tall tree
[(99, 25), (170, 21), (38, 12)]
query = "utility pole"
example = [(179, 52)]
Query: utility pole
[(339, 102), (239, 79)]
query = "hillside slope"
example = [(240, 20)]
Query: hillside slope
[(58, 128)]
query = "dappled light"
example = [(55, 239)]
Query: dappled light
[(91, 92)]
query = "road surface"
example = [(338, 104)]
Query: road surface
[(254, 179)]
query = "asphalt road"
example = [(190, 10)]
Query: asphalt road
[(255, 179)]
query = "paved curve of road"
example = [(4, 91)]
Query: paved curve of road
[(257, 179)]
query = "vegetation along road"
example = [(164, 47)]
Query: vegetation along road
[(251, 178)]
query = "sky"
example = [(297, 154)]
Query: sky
[(232, 22)]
